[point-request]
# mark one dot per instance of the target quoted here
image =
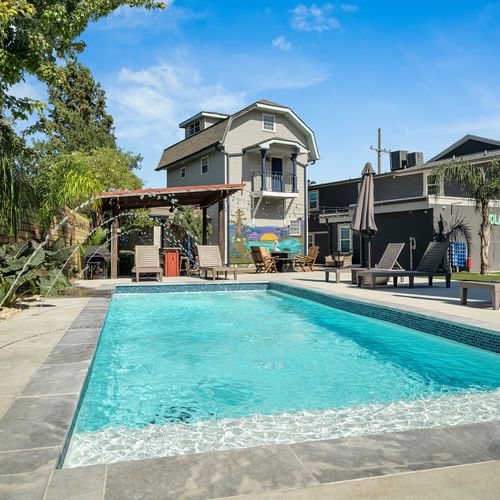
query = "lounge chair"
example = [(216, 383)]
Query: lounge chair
[(147, 260), (341, 260), (268, 261), (434, 257), (303, 261), (210, 260), (388, 261)]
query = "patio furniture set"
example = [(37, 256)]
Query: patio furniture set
[(432, 264)]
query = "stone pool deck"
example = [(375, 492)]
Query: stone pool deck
[(44, 356)]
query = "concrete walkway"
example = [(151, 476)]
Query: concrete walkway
[(27, 338)]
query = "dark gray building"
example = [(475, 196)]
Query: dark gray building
[(406, 206)]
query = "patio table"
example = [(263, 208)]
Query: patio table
[(283, 262)]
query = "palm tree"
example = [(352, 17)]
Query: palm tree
[(62, 181), (481, 182), (16, 192)]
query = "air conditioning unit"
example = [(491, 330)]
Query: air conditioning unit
[(414, 159), (398, 160)]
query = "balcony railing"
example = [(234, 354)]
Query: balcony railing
[(277, 183)]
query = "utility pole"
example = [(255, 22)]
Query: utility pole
[(379, 149)]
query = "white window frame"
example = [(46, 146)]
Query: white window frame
[(297, 229), (201, 164), (339, 239), (310, 240), (264, 115), (192, 128), (316, 192), (439, 185), (183, 172)]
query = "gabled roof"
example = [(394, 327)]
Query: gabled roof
[(190, 146), (214, 135), (208, 114), (467, 145)]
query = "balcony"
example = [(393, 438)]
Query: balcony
[(275, 185)]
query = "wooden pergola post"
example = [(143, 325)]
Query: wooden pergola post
[(204, 226), (115, 224), (221, 228)]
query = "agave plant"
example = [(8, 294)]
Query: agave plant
[(41, 275)]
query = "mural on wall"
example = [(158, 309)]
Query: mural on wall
[(243, 236)]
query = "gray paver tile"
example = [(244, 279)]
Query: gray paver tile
[(36, 422), (70, 353), (225, 473), (484, 436), (61, 378), (476, 481), (82, 483), (89, 319), (366, 456), (17, 462), (80, 336), (30, 486)]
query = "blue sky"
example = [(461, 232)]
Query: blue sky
[(427, 72)]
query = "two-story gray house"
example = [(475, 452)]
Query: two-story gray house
[(267, 147)]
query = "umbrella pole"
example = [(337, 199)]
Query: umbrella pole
[(369, 252)]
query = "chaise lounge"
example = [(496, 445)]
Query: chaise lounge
[(429, 266), (388, 261), (147, 261), (210, 260)]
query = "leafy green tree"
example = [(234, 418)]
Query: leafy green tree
[(16, 195), (112, 168), (35, 35), (188, 221), (63, 180), (76, 118), (69, 179), (481, 183)]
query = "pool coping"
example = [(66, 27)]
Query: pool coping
[(34, 431)]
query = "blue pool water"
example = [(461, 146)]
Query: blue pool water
[(193, 358), (178, 373)]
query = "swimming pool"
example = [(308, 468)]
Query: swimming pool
[(178, 373)]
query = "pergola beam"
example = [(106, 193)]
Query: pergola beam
[(201, 196)]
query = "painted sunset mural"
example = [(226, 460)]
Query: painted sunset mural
[(243, 236)]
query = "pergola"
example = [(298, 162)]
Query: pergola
[(200, 196)]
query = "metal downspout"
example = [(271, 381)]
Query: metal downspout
[(306, 211)]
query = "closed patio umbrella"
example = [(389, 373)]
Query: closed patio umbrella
[(363, 219)]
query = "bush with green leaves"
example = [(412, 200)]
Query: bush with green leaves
[(42, 274)]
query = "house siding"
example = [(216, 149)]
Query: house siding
[(273, 216), (194, 177)]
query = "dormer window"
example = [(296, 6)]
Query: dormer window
[(194, 127), (268, 122)]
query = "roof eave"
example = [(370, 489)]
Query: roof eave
[(185, 158)]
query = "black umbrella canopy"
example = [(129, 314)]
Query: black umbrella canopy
[(363, 219)]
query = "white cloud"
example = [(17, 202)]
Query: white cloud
[(349, 7), (149, 103), (282, 43), (152, 19), (30, 88), (314, 18)]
